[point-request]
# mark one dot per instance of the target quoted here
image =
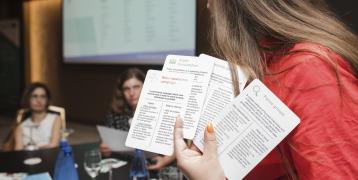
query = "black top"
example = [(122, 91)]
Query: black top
[(118, 120)]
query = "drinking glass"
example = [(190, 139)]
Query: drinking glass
[(92, 162)]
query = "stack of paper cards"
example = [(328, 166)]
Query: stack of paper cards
[(200, 89), (186, 86)]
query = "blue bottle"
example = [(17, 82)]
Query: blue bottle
[(65, 166), (138, 169), (63, 145)]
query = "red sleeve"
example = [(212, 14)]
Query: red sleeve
[(325, 144)]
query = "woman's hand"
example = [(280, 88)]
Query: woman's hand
[(160, 162), (105, 150), (194, 164)]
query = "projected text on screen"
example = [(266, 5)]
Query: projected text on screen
[(128, 31)]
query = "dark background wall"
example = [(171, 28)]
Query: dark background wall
[(347, 10), (85, 90), (11, 58)]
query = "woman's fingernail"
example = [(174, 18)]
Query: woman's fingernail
[(210, 127)]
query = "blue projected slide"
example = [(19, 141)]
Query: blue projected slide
[(128, 31)]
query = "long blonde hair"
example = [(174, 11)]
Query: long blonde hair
[(238, 26)]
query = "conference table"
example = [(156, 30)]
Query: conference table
[(13, 162)]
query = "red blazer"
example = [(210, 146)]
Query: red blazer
[(325, 144)]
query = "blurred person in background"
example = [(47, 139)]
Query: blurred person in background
[(124, 102), (45, 125)]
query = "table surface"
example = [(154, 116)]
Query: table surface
[(12, 162)]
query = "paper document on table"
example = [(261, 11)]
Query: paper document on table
[(164, 95), (219, 94), (114, 138), (250, 127), (202, 72)]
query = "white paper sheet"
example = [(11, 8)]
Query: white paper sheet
[(220, 93), (114, 138), (164, 96), (202, 71), (250, 127)]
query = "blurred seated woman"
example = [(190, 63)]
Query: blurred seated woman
[(124, 102), (125, 99), (45, 126)]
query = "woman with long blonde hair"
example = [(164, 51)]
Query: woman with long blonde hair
[(309, 59)]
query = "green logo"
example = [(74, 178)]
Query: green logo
[(172, 61)]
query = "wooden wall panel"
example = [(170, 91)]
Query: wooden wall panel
[(43, 45)]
